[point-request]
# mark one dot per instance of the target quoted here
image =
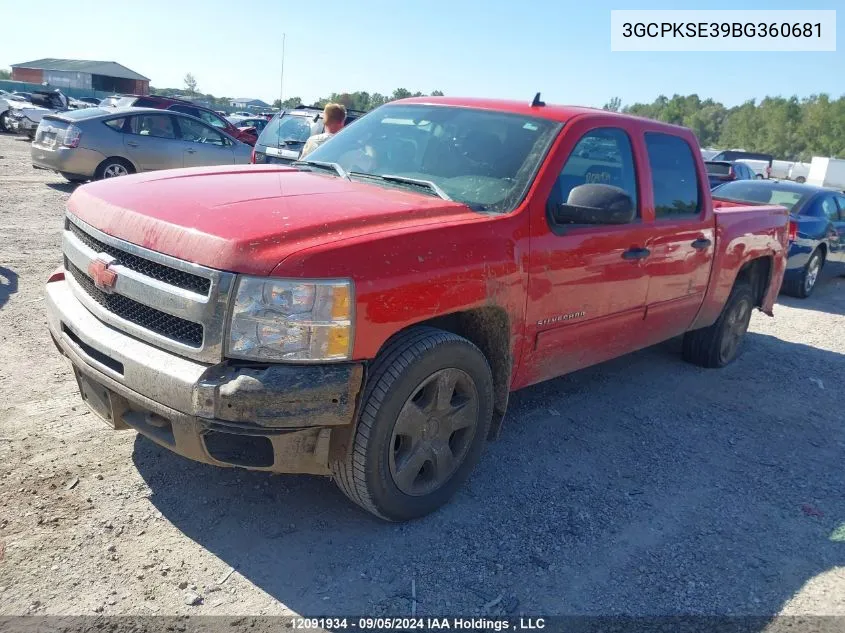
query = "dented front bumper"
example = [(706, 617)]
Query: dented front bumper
[(280, 418)]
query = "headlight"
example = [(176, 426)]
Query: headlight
[(289, 320)]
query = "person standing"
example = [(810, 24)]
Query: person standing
[(334, 116)]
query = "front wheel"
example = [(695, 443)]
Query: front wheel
[(719, 344), (425, 415), (4, 122)]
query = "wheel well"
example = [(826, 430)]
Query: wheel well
[(488, 329), (823, 250), (125, 161), (758, 273)]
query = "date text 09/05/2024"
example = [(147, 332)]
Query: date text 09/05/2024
[(419, 624)]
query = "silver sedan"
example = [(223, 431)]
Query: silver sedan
[(99, 143)]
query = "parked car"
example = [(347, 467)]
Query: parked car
[(733, 155), (780, 169), (6, 99), (827, 172), (185, 107), (816, 227), (365, 314), (98, 143), (284, 136), (799, 172), (94, 101), (251, 128), (24, 116), (721, 171), (761, 169)]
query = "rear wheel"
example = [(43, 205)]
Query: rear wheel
[(759, 176), (803, 286), (424, 418), (4, 122), (801, 180), (719, 344), (112, 168)]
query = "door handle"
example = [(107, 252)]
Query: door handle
[(701, 243), (636, 253), (191, 151), (132, 143)]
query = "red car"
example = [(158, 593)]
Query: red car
[(365, 313), (187, 107)]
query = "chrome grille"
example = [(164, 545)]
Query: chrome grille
[(167, 325), (171, 303), (178, 278)]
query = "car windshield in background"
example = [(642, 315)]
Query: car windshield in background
[(718, 169), (286, 129), (483, 159), (760, 192)]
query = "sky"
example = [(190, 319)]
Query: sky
[(495, 48)]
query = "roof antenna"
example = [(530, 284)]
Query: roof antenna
[(537, 103)]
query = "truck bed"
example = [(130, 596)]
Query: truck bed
[(743, 231)]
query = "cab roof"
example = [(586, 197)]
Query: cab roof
[(561, 113)]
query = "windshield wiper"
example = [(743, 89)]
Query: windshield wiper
[(428, 184), (322, 164)]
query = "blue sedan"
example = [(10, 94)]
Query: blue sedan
[(816, 226)]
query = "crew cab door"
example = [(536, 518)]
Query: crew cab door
[(682, 237), (587, 283), (151, 143), (203, 145)]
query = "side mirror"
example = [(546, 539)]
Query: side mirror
[(596, 204)]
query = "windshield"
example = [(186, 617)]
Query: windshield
[(483, 159), (286, 127), (761, 192)]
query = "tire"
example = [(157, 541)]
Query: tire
[(719, 344), (805, 284), (405, 459), (759, 176), (4, 122), (801, 180), (113, 167)]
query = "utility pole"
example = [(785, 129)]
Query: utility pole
[(282, 74)]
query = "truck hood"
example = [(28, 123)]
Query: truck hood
[(247, 218)]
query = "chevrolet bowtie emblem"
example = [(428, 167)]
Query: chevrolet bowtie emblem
[(103, 276)]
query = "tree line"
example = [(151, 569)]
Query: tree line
[(788, 128), (361, 100)]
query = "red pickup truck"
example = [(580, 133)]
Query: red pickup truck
[(365, 313)]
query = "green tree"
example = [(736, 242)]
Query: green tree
[(613, 105), (437, 93), (190, 84), (5, 74)]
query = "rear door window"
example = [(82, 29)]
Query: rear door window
[(674, 178), (153, 125)]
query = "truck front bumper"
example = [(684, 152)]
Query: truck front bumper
[(279, 418)]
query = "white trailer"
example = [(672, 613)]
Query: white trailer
[(827, 172)]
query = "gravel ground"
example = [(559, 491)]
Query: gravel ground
[(642, 486)]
